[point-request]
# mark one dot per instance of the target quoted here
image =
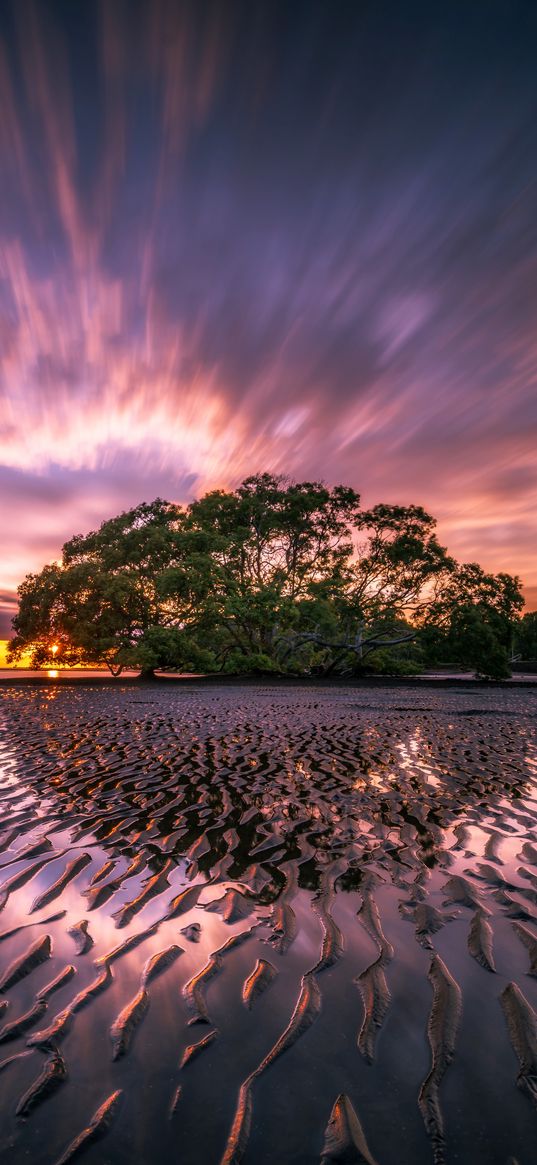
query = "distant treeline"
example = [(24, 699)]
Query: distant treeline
[(275, 576)]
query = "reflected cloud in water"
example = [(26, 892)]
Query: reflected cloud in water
[(341, 838)]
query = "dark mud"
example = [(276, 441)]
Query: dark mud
[(311, 930)]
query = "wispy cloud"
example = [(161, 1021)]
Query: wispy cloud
[(235, 238)]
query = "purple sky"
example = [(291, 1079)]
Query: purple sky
[(289, 236)]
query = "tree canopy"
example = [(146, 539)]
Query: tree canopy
[(273, 576), (526, 636)]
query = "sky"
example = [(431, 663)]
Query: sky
[(293, 236)]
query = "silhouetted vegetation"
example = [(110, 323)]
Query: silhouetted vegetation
[(275, 576), (525, 637)]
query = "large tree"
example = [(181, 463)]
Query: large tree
[(273, 575), (271, 543), (368, 605), (127, 594), (304, 578)]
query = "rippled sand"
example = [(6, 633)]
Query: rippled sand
[(268, 925)]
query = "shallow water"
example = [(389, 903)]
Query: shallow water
[(372, 850)]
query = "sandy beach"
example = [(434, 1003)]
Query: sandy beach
[(278, 925)]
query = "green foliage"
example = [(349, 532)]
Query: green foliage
[(399, 559), (475, 644), (275, 576), (389, 663), (525, 638), (124, 595), (472, 620), (252, 663), (405, 658)]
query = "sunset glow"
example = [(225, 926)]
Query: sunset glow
[(236, 240)]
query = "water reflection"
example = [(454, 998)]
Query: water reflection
[(365, 862)]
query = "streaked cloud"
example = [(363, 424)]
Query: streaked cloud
[(290, 237)]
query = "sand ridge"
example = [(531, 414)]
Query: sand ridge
[(369, 857)]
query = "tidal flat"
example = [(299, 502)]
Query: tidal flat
[(274, 925)]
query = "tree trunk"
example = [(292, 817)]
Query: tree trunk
[(147, 673), (115, 669)]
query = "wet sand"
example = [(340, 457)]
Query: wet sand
[(267, 924)]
